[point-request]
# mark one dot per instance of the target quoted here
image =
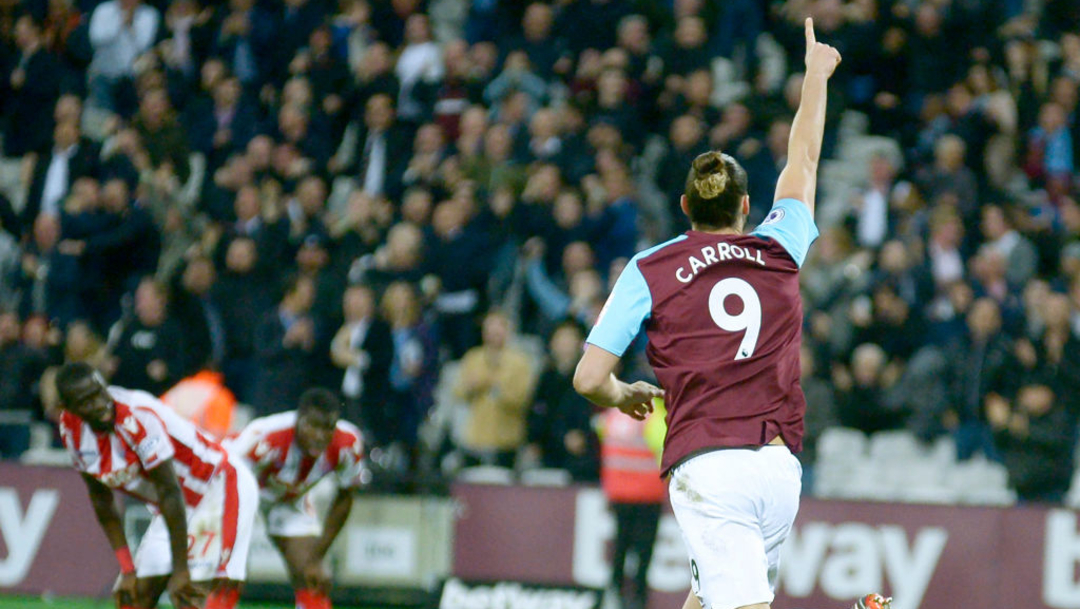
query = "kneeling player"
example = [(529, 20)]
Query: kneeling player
[(289, 453), (197, 542)]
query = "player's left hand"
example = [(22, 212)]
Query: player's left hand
[(637, 399), (316, 577), (125, 590), (185, 593)]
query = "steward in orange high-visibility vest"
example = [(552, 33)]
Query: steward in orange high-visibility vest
[(204, 400), (629, 459), (630, 477)]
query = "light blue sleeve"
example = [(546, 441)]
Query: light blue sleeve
[(791, 225), (628, 306)]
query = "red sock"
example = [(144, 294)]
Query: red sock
[(225, 598), (311, 599)]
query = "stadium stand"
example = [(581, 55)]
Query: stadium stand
[(512, 155)]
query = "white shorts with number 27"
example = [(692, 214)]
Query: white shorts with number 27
[(219, 530)]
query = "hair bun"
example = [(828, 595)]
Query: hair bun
[(712, 174), (708, 162)]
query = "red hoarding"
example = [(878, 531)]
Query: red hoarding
[(925, 556), (49, 539)]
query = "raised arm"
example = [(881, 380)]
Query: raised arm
[(798, 180)]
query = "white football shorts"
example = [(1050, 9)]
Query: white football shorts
[(735, 508), (219, 530), (291, 518)]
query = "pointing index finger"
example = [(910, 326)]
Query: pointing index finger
[(810, 38)]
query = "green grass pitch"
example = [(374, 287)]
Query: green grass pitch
[(21, 602)]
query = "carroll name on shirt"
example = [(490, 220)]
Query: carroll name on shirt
[(722, 252)]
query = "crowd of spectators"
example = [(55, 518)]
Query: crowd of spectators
[(354, 193)]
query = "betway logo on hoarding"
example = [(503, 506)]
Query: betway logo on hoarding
[(49, 539), (23, 531), (850, 559), (1061, 587), (457, 594), (844, 560), (926, 557)]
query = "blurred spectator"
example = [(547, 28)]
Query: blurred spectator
[(194, 307), (613, 216), (688, 51), (460, 259), (560, 430), (242, 293), (933, 65), (496, 381), (581, 300), (381, 155), (120, 31), (284, 348), (162, 135), (821, 412), (1050, 151), (590, 23), (246, 41), (363, 347), (69, 159), (329, 77), (863, 392), (121, 246), (950, 176), (299, 19), (459, 88), (1036, 432), (148, 347), (374, 75), (31, 86), (419, 68), (306, 211), (1018, 253), (10, 259), (687, 141), (46, 279), (946, 259), (66, 33), (538, 40), (400, 258), (15, 389), (224, 124), (977, 374), (888, 321), (429, 150), (413, 369), (897, 268), (517, 76), (313, 261), (872, 209), (20, 365)]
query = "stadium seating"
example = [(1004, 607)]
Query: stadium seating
[(896, 466)]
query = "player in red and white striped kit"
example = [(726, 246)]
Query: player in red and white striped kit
[(290, 453), (197, 543)]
